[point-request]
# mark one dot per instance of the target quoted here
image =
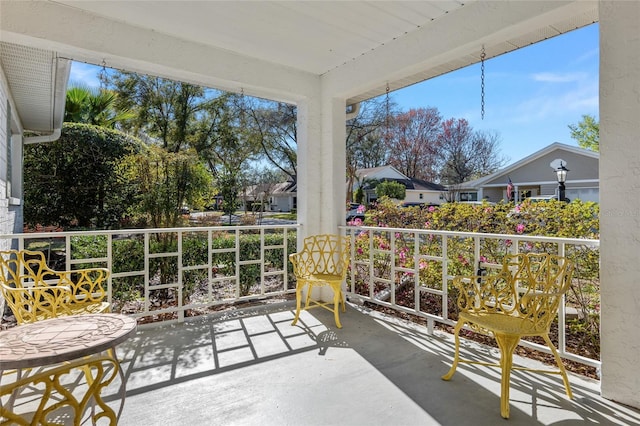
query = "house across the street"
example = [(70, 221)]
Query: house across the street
[(535, 176), (417, 191)]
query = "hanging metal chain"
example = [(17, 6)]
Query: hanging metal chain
[(387, 135), (103, 75), (482, 56), (242, 106)]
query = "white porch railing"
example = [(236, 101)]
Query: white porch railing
[(409, 270), (196, 268), (162, 274)]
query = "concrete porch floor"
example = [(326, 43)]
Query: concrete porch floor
[(251, 367)]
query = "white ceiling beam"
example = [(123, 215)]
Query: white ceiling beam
[(85, 37)]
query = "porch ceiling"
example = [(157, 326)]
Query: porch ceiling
[(358, 46)]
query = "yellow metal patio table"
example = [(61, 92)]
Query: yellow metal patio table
[(85, 342)]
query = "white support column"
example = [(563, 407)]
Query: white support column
[(619, 200), (334, 163), (321, 164)]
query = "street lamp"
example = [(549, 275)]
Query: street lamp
[(561, 173)]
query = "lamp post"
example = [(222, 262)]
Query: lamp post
[(561, 173)]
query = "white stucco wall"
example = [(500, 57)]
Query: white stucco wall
[(619, 203), (428, 197)]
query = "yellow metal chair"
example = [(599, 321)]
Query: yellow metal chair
[(324, 260), (522, 299), (56, 400), (34, 292)]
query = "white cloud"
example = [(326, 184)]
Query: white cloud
[(549, 77)]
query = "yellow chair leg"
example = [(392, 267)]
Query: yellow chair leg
[(298, 297), (456, 356), (563, 372), (507, 344), (336, 307)]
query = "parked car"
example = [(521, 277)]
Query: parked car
[(356, 211), (418, 204), (478, 203), (541, 198)]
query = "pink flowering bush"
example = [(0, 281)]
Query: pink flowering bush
[(556, 219)]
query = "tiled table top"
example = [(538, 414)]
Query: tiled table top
[(62, 339)]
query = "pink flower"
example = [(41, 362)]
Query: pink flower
[(361, 209), (520, 228), (431, 209), (483, 259), (427, 224), (360, 251)]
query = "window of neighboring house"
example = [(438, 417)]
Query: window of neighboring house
[(295, 202), (468, 196), (9, 156), (421, 196)]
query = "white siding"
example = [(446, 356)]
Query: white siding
[(10, 210)]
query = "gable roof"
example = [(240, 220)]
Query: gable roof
[(504, 172), (409, 183), (372, 172)]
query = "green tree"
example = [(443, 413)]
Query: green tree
[(586, 133), (391, 189), (166, 181), (229, 188), (94, 106), (77, 179), (179, 116), (167, 112)]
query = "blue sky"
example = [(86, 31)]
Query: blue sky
[(531, 94)]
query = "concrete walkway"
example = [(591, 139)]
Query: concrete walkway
[(252, 367)]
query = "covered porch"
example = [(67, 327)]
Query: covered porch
[(322, 75), (250, 367)]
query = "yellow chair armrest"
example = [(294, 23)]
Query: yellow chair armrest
[(300, 266)]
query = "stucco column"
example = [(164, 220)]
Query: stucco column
[(619, 200), (321, 164)]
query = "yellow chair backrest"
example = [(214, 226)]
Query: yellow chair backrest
[(529, 286), (324, 254), (34, 291), (540, 281)]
